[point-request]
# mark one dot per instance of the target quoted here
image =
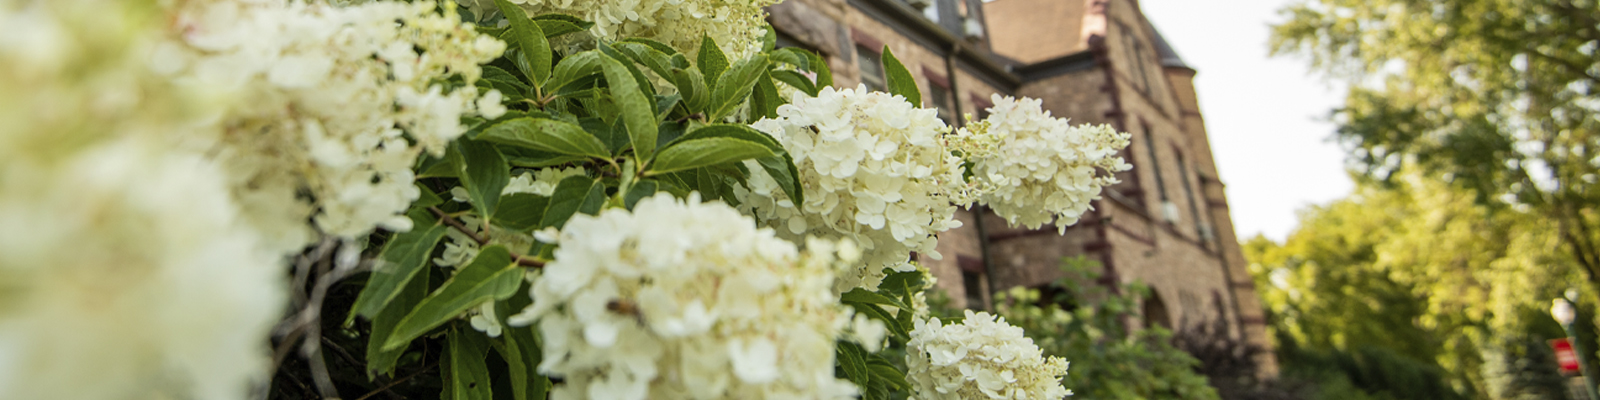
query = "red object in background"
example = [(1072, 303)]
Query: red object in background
[(1564, 355)]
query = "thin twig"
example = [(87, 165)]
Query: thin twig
[(374, 392), (453, 223), (528, 262)]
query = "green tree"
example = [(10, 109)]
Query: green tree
[(1498, 96)]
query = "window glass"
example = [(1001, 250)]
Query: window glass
[(941, 101), (871, 68)]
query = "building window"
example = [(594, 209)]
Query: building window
[(972, 280), (1136, 51), (1200, 229), (980, 107), (940, 97), (870, 62), (1155, 162)]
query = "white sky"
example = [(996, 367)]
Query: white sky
[(1265, 116)]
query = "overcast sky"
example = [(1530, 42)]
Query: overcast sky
[(1266, 116)]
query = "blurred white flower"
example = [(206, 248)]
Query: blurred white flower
[(333, 102), (683, 299), (736, 25), (981, 358)]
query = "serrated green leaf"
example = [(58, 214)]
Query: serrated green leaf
[(769, 39), (797, 81), (711, 60), (690, 154), (853, 360), (546, 135), (903, 283), (580, 22), (692, 86), (483, 172), (900, 81), (572, 69), (735, 85), (521, 211), (439, 168), (492, 275), (639, 191), (661, 47), (553, 28), (670, 132), (736, 131), (818, 64), (401, 259), (664, 105), (657, 61), (764, 100), (530, 158), (571, 196), (379, 360), (466, 365), (638, 112), (530, 40)]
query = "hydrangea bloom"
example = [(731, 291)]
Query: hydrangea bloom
[(1033, 168), (122, 260), (736, 25), (679, 300), (980, 358), (874, 168), (338, 103)]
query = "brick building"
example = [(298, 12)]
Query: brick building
[(1094, 61)]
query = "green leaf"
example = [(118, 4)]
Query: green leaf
[(466, 368), (884, 371), (900, 80), (797, 81), (490, 276), (657, 61), (380, 360), (614, 136), (440, 168), (819, 66), (425, 199), (711, 60), (853, 360), (670, 131), (706, 152), (639, 191), (509, 85), (547, 135), (638, 112), (782, 170), (529, 38), (736, 131), (580, 22), (860, 295), (903, 283), (764, 100), (401, 259), (664, 105), (769, 39), (661, 47), (553, 28), (521, 211), (791, 56), (692, 86), (530, 158), (572, 195), (572, 69), (483, 172), (520, 349), (735, 85), (874, 311)]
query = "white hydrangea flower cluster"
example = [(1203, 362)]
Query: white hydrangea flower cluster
[(335, 102), (981, 358), (1033, 168), (122, 260), (736, 25), (682, 299), (875, 169)]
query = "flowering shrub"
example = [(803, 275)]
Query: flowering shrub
[(676, 208)]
